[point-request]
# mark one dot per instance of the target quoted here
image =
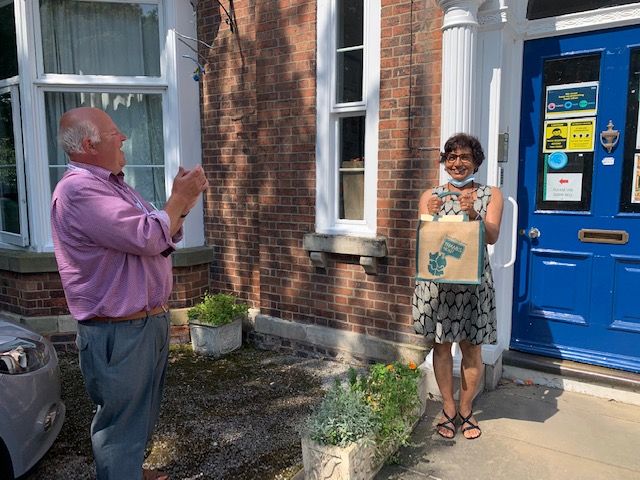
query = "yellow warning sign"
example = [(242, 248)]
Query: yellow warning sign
[(555, 136), (571, 135), (582, 135)]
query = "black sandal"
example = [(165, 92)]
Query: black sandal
[(445, 425), (471, 426)]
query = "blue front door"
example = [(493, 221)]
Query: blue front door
[(577, 292)]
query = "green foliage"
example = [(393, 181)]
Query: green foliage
[(217, 310), (392, 393), (387, 400), (342, 418)]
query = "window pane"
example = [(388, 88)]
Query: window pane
[(352, 168), (551, 8), (137, 115), (349, 77), (630, 191), (350, 15), (580, 71), (8, 55), (100, 38), (9, 207)]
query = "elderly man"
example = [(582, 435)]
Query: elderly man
[(113, 252)]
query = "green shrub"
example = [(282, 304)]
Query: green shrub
[(342, 418), (392, 393), (217, 310)]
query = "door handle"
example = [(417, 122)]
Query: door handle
[(533, 233), (514, 237)]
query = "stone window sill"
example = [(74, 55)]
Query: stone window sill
[(368, 249)]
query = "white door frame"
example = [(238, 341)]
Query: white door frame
[(494, 32)]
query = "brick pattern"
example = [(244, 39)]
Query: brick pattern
[(41, 294), (230, 155), (189, 285), (34, 294), (259, 141)]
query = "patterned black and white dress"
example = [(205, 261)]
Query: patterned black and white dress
[(447, 312)]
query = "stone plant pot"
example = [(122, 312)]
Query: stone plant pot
[(213, 340), (356, 461), (325, 462)]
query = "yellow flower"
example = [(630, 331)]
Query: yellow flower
[(412, 365), (390, 368)]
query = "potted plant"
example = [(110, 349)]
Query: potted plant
[(358, 427), (215, 324), (337, 440)]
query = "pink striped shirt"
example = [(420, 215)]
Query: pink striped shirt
[(112, 247)]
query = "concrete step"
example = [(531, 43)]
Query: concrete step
[(572, 376)]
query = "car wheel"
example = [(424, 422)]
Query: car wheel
[(6, 467)]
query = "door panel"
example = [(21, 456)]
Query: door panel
[(578, 269), (565, 268), (626, 314)]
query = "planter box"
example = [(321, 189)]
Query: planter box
[(353, 462), (216, 341), (356, 461)]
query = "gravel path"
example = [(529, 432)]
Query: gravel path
[(236, 417)]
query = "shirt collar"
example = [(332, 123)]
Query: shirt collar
[(99, 171)]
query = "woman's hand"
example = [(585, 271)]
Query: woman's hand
[(434, 203), (466, 206)]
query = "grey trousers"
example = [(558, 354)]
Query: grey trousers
[(124, 366)]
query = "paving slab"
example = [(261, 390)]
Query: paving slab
[(529, 432)]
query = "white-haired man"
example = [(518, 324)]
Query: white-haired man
[(113, 252)]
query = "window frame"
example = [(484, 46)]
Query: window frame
[(180, 108), (20, 239), (329, 112)]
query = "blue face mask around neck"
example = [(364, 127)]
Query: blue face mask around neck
[(462, 183)]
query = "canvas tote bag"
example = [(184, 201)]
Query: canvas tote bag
[(450, 248)]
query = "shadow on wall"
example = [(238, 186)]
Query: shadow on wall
[(259, 143), (228, 121)]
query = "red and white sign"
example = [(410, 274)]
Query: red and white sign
[(563, 187)]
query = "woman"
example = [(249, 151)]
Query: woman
[(466, 314)]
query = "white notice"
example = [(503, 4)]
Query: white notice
[(563, 187)]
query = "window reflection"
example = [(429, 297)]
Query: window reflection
[(352, 168), (9, 207), (9, 57)]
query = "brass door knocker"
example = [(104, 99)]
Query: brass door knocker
[(609, 137)]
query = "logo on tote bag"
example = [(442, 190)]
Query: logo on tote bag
[(450, 248)]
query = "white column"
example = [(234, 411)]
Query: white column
[(459, 108)]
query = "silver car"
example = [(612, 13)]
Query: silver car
[(31, 410)]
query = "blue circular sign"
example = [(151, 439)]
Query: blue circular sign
[(557, 160)]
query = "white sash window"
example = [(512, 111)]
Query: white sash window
[(121, 56), (348, 77)]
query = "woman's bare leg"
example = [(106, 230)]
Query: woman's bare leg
[(443, 369), (470, 375)]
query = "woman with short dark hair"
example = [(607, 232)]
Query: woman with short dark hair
[(465, 314)]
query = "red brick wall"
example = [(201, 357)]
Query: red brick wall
[(262, 166), (32, 294), (230, 154), (41, 294), (189, 285)]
